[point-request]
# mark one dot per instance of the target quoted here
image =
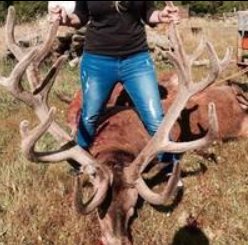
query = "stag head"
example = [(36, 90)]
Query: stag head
[(114, 170)]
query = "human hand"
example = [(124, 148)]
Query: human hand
[(169, 14), (58, 14)]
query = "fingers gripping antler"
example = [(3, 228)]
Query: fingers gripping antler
[(187, 88)]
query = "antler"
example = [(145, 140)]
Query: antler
[(100, 187), (187, 88), (37, 99), (19, 53)]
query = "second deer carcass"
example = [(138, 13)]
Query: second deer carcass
[(231, 102)]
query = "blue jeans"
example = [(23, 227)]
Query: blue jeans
[(100, 74)]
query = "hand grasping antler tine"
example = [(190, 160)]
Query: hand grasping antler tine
[(37, 99), (187, 88)]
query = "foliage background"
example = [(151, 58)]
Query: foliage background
[(28, 10)]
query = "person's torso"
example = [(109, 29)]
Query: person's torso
[(117, 33)]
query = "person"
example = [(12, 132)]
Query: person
[(116, 49)]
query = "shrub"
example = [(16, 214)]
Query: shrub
[(26, 10), (214, 7), (29, 10)]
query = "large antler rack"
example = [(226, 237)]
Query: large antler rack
[(36, 98), (161, 142)]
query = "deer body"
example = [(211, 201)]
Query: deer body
[(112, 148), (121, 136), (232, 114)]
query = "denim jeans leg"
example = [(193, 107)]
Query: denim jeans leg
[(140, 81), (98, 80)]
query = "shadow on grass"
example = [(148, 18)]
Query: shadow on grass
[(170, 208), (190, 236), (201, 170), (179, 197)]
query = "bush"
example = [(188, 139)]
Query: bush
[(231, 5), (30, 10), (214, 7), (26, 11)]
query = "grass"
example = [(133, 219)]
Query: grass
[(35, 201)]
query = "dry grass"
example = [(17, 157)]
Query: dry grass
[(35, 205)]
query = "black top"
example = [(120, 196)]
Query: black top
[(115, 33)]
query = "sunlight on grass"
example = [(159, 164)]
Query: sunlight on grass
[(36, 201)]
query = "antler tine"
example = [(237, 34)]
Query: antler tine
[(44, 49), (184, 62), (14, 79), (159, 199), (47, 45), (45, 86), (216, 67), (10, 35), (198, 52), (227, 59), (101, 190), (177, 44), (194, 145), (37, 102), (13, 85), (30, 138), (101, 180), (19, 53)]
